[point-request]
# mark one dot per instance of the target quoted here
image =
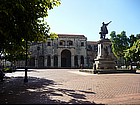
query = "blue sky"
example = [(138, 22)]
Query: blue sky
[(86, 17)]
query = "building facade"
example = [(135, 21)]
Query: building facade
[(67, 51), (92, 50)]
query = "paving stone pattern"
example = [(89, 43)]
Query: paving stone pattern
[(68, 86)]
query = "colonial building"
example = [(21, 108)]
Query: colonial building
[(92, 49), (67, 51)]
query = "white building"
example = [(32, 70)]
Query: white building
[(67, 51)]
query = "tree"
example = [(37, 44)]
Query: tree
[(126, 48), (120, 42), (22, 21), (132, 39), (133, 53), (138, 36)]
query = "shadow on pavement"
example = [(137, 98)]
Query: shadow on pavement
[(137, 72), (23, 70), (38, 91)]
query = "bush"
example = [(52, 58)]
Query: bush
[(7, 69)]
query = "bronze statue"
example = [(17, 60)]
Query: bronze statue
[(104, 30)]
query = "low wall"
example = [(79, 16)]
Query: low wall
[(107, 71)]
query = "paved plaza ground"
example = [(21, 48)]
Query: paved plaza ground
[(69, 86)]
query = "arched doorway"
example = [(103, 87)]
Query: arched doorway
[(82, 60), (65, 58), (76, 61), (55, 61), (41, 61), (32, 62), (49, 61)]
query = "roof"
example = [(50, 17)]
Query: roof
[(92, 42), (71, 35)]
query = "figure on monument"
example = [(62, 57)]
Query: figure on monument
[(104, 30)]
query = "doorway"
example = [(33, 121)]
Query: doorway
[(66, 58)]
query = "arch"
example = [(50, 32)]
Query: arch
[(55, 61), (65, 58), (49, 61), (32, 62), (82, 60), (76, 61), (41, 61)]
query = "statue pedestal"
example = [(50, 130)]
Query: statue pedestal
[(105, 58)]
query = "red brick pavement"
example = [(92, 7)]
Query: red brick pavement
[(101, 89), (107, 88)]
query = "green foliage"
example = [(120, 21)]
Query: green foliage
[(53, 36), (133, 53), (120, 43), (23, 20), (132, 39), (126, 48), (7, 69), (138, 36), (14, 53)]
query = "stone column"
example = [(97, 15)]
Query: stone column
[(79, 60), (100, 52), (85, 62), (72, 61), (59, 61), (45, 61), (52, 61), (36, 62)]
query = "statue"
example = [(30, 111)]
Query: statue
[(104, 30)]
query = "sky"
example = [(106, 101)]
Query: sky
[(85, 17)]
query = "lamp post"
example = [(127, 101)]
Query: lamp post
[(26, 56), (0, 61)]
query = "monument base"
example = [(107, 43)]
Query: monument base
[(105, 59), (107, 71), (105, 64)]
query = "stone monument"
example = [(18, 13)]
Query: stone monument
[(104, 61)]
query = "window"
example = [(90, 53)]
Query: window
[(95, 48), (82, 43), (49, 44), (89, 47), (70, 43), (62, 43)]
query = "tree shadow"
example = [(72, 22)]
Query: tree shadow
[(72, 93), (88, 92), (38, 91), (23, 70)]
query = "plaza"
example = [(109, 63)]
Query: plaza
[(69, 86)]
